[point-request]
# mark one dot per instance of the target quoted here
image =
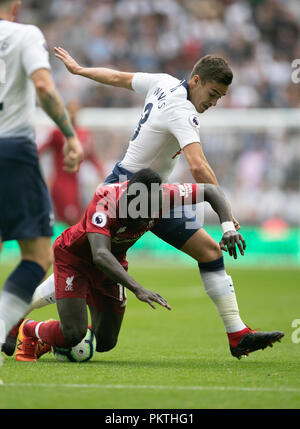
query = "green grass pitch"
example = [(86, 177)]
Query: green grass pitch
[(178, 359)]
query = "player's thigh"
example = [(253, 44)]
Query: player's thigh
[(73, 316), (186, 234), (202, 247), (37, 250)]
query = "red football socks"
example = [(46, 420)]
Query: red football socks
[(235, 337), (49, 332)]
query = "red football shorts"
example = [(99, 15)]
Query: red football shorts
[(75, 278)]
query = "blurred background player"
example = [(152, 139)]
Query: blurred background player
[(66, 190), (26, 211)]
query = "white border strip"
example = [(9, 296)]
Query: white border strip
[(157, 387)]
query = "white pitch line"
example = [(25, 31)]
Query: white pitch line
[(157, 387)]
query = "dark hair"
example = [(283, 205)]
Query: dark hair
[(211, 68), (146, 176), (5, 2)]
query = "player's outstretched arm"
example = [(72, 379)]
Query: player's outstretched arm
[(106, 262), (219, 203), (99, 74), (53, 105)]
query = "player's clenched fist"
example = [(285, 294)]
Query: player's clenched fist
[(73, 155)]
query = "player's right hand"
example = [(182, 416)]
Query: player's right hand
[(229, 240), (68, 61), (149, 296), (73, 155)]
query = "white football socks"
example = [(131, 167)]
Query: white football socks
[(219, 287), (43, 295), (12, 309)]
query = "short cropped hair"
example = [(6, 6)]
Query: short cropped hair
[(146, 176), (214, 68)]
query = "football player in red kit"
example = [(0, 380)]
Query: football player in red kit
[(65, 187), (90, 266)]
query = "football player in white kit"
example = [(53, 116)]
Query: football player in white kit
[(169, 127), (26, 211)]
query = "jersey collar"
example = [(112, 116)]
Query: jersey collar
[(185, 84)]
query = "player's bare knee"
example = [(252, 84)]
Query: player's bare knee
[(105, 344), (215, 249), (46, 258), (38, 251), (212, 252), (73, 335)]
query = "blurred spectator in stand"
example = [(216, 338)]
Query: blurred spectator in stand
[(259, 38), (64, 187)]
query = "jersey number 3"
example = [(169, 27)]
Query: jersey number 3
[(143, 119)]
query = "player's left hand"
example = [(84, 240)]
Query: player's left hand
[(229, 240), (149, 296)]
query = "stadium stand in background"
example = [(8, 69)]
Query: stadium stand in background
[(259, 165), (260, 38)]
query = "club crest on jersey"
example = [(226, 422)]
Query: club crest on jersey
[(99, 219), (194, 121), (4, 46), (185, 190)]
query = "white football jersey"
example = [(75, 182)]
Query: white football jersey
[(169, 123), (23, 50)]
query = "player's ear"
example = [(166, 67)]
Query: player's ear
[(196, 80)]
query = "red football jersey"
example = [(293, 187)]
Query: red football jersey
[(64, 186), (102, 217), (56, 141)]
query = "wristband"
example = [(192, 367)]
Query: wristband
[(227, 226)]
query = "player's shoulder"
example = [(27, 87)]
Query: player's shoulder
[(144, 82), (110, 191), (25, 29), (179, 104), (164, 79), (30, 33)]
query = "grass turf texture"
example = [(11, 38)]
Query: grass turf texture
[(178, 359)]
